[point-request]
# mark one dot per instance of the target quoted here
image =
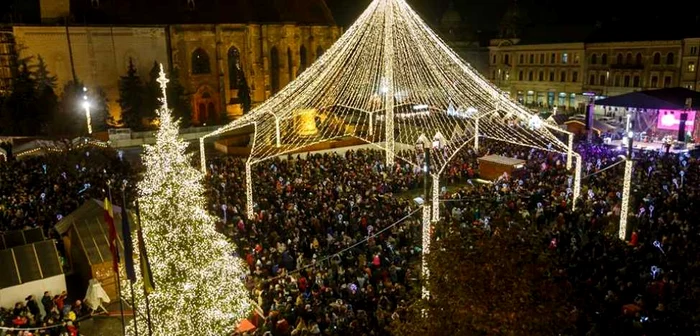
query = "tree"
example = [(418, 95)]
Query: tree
[(101, 118), (244, 93), (69, 119), (152, 92), (198, 286), (182, 109), (482, 284), (19, 113), (47, 100), (131, 98)]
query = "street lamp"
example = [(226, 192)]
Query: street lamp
[(86, 106)]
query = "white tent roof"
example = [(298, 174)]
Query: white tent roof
[(389, 63)]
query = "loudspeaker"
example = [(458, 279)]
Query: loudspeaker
[(681, 127)]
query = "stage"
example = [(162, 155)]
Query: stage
[(652, 146)]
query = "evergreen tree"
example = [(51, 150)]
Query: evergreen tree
[(198, 287), (47, 100), (182, 109), (131, 98), (152, 92), (244, 93), (69, 118), (19, 113), (101, 118)]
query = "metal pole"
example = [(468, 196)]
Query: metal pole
[(131, 282)]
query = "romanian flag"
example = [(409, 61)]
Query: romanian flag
[(128, 246), (146, 274), (109, 219)]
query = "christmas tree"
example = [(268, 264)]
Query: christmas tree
[(198, 282)]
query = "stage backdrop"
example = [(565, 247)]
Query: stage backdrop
[(669, 120)]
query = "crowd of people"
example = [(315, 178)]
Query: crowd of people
[(36, 192), (334, 244)]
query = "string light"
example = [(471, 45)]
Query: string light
[(425, 248), (626, 186), (367, 85), (198, 286)]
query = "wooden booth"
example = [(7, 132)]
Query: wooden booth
[(86, 239), (492, 167)]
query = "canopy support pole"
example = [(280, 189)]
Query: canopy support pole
[(569, 156), (250, 211), (436, 197), (388, 88), (476, 135), (202, 156)]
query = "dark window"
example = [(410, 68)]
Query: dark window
[(234, 68), (551, 76), (602, 80), (594, 59), (574, 76), (591, 80), (627, 81), (302, 60), (506, 59), (520, 75), (639, 59), (604, 59), (635, 81), (562, 76), (319, 53), (619, 58), (290, 68), (532, 58), (540, 76), (667, 81), (657, 58), (529, 76), (200, 62), (670, 59), (629, 58), (654, 81), (541, 58), (522, 59)]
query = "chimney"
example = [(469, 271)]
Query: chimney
[(54, 10)]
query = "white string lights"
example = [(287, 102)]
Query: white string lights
[(386, 81), (624, 211)]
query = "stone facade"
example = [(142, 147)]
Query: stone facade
[(599, 69), (100, 55), (211, 58)]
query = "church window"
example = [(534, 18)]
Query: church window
[(200, 62), (274, 70), (234, 68)]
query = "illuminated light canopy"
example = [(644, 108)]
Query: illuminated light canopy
[(198, 286)]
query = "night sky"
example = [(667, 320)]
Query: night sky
[(670, 18)]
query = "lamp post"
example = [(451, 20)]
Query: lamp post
[(86, 106), (627, 182)]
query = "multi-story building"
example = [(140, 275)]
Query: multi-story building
[(215, 48), (8, 60), (545, 75), (539, 75)]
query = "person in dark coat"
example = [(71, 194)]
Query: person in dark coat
[(33, 306)]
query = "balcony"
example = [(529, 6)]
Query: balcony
[(627, 66)]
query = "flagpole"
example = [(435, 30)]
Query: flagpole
[(119, 289), (145, 292), (131, 281)]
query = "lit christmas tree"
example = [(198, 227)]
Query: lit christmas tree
[(198, 286)]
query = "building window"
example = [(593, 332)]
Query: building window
[(522, 59), (619, 58), (602, 80), (520, 75), (532, 58), (617, 80), (627, 81), (551, 76), (274, 70), (667, 81), (576, 58), (594, 59), (234, 68), (591, 80), (493, 74), (635, 82), (604, 59), (689, 86), (562, 76), (540, 76), (693, 50), (628, 60), (574, 76), (319, 53), (541, 58), (290, 67), (506, 59), (670, 59), (303, 63), (639, 59), (691, 66), (654, 82), (657, 58), (529, 76), (200, 62), (493, 59), (564, 58), (553, 58)]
